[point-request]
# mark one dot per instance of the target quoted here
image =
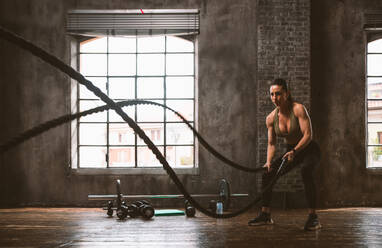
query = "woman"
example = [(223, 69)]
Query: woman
[(289, 120)]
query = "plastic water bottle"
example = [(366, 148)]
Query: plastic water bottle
[(219, 207)]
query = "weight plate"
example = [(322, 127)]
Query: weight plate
[(110, 212), (225, 193), (147, 211), (190, 211), (133, 211)]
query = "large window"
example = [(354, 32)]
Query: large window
[(159, 69), (374, 103)]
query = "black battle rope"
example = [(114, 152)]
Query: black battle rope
[(65, 118), (60, 65)]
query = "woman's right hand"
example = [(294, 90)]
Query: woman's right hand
[(268, 166)]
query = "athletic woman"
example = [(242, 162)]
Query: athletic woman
[(291, 121)]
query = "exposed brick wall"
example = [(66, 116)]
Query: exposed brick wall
[(283, 30)]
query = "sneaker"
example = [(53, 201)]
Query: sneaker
[(262, 219), (312, 223)]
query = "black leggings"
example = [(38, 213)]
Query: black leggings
[(309, 159)]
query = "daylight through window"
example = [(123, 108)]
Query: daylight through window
[(159, 69), (374, 103)]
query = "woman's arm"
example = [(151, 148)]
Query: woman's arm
[(306, 129), (271, 148)]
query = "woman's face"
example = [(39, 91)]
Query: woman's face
[(278, 95)]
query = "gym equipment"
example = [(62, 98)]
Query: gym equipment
[(225, 193), (144, 208), (139, 208), (109, 208), (190, 210), (168, 212)]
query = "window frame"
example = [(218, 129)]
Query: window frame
[(75, 95), (371, 35)]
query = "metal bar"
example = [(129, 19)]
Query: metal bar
[(131, 53), (111, 197), (134, 11)]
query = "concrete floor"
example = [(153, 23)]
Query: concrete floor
[(90, 227)]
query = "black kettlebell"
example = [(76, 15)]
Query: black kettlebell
[(190, 210)]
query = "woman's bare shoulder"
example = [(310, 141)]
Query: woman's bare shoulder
[(271, 117), (299, 109)]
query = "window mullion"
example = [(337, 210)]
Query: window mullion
[(136, 96), (164, 100), (107, 114), (194, 102), (78, 107)]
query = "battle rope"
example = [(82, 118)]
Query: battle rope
[(63, 119), (54, 61)]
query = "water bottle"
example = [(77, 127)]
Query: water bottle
[(219, 207)]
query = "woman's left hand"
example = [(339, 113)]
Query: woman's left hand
[(289, 155)]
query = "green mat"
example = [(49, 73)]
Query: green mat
[(168, 212)]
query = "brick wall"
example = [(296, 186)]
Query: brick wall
[(283, 30)]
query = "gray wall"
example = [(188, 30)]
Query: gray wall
[(36, 172), (338, 102)]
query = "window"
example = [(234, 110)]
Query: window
[(134, 54), (374, 103), (155, 68)]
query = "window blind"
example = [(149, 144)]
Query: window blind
[(133, 22), (373, 20)]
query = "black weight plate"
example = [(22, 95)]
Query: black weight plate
[(110, 212), (225, 193), (122, 213), (109, 208), (190, 211), (147, 211), (133, 211)]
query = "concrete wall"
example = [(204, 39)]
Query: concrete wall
[(36, 173), (338, 102)]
